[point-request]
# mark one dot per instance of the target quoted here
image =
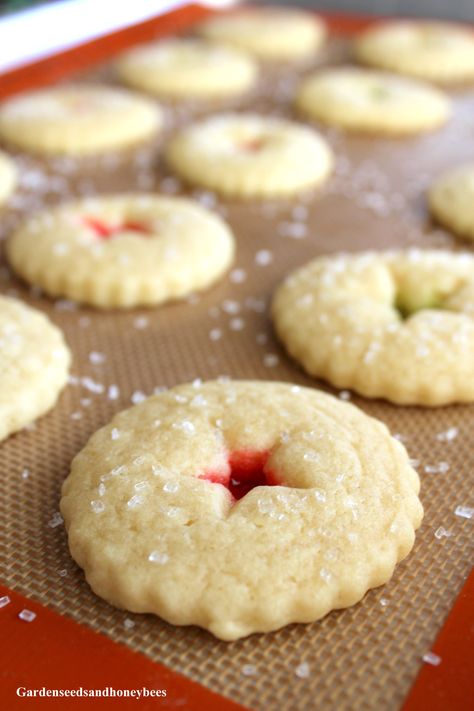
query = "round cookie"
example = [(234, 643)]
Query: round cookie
[(122, 251), (397, 325), (373, 102), (435, 51), (34, 365), (247, 155), (240, 506), (8, 177), (78, 119), (269, 33), (188, 69), (451, 200)]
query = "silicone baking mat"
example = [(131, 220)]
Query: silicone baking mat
[(365, 657)]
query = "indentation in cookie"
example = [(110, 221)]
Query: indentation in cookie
[(105, 230), (252, 145), (408, 304), (247, 470)]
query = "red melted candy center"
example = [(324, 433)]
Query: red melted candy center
[(247, 470), (252, 145), (103, 230)]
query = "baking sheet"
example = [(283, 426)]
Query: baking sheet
[(365, 657)]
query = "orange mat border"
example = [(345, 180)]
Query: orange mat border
[(40, 653), (55, 652), (448, 687)]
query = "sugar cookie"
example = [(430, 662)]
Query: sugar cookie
[(188, 68), (451, 200), (34, 365), (8, 177), (247, 155), (78, 119), (122, 251), (240, 506), (436, 51), (270, 33), (397, 325), (372, 102)]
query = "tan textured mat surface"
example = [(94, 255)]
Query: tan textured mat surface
[(365, 657)]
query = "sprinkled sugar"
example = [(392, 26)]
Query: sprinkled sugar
[(263, 258), (128, 623), (294, 230), (55, 520), (464, 511), (171, 487), (198, 401), (325, 575), (266, 507), (249, 670), (120, 469), (141, 322), (237, 276), (135, 501), (440, 468), (115, 434), (158, 557), (97, 506), (97, 358), (270, 360), (441, 532), (113, 392), (185, 426), (448, 435), (138, 396), (4, 600), (27, 615), (302, 671), (230, 307), (432, 658), (215, 334), (92, 385)]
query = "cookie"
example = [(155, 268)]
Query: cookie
[(436, 51), (246, 155), (34, 365), (372, 102), (240, 506), (188, 69), (451, 200), (78, 119), (122, 251), (8, 177), (269, 33), (397, 325)]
